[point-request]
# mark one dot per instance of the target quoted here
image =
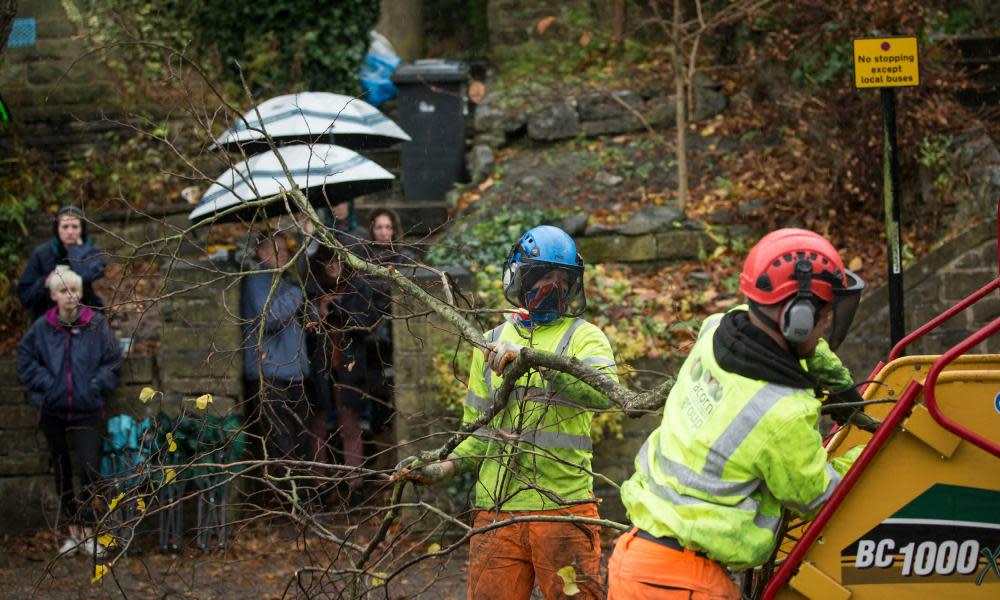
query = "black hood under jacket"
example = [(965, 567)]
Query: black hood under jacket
[(741, 348)]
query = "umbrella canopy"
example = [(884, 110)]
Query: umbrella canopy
[(327, 175), (313, 117)]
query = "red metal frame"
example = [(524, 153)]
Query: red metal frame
[(931, 402), (936, 321), (895, 416)]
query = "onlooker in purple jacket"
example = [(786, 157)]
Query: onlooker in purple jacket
[(69, 360), (69, 246)]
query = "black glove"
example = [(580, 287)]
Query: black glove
[(855, 415)]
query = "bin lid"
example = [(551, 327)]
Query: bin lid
[(432, 70)]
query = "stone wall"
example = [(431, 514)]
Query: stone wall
[(936, 282), (198, 353), (58, 94), (27, 488)]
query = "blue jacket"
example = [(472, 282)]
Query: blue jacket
[(284, 344), (86, 260), (69, 370)]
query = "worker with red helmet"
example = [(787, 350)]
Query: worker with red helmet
[(739, 439)]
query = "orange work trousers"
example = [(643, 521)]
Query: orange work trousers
[(504, 563), (641, 569)]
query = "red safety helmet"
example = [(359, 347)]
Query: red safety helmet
[(801, 266)]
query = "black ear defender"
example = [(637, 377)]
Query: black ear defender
[(798, 316)]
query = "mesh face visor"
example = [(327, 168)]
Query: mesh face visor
[(520, 277), (845, 303)]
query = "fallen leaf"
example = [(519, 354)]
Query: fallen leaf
[(486, 184), (568, 574), (435, 547), (544, 24), (99, 572), (585, 38), (203, 401), (856, 264)]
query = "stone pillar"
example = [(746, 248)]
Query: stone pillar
[(421, 413), (201, 340), (402, 22), (424, 419)]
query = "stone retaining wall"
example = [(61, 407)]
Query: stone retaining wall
[(936, 282), (199, 341)]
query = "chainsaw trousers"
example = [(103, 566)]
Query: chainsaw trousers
[(506, 562), (643, 569)]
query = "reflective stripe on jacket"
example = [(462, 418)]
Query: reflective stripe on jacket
[(550, 434), (729, 452)]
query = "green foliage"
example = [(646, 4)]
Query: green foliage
[(448, 376), (485, 239), (970, 17), (823, 65), (23, 192), (935, 150), (281, 46)]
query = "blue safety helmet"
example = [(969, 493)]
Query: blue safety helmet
[(540, 251)]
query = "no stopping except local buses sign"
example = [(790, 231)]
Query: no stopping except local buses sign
[(886, 62)]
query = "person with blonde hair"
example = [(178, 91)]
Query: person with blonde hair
[(69, 361)]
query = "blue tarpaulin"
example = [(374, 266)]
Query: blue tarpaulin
[(22, 34)]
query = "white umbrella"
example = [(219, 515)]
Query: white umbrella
[(311, 117), (327, 174)]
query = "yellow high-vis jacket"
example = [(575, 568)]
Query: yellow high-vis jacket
[(728, 454), (537, 451)]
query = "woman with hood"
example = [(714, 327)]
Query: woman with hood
[(71, 247), (342, 300)]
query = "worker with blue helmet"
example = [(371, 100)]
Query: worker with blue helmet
[(543, 276), (534, 457)]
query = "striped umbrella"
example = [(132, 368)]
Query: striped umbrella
[(327, 175), (313, 117)]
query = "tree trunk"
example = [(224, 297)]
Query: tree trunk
[(618, 18), (679, 85), (8, 8)]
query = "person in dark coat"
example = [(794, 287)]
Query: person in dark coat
[(343, 304), (385, 249), (277, 368), (69, 361), (69, 246)]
